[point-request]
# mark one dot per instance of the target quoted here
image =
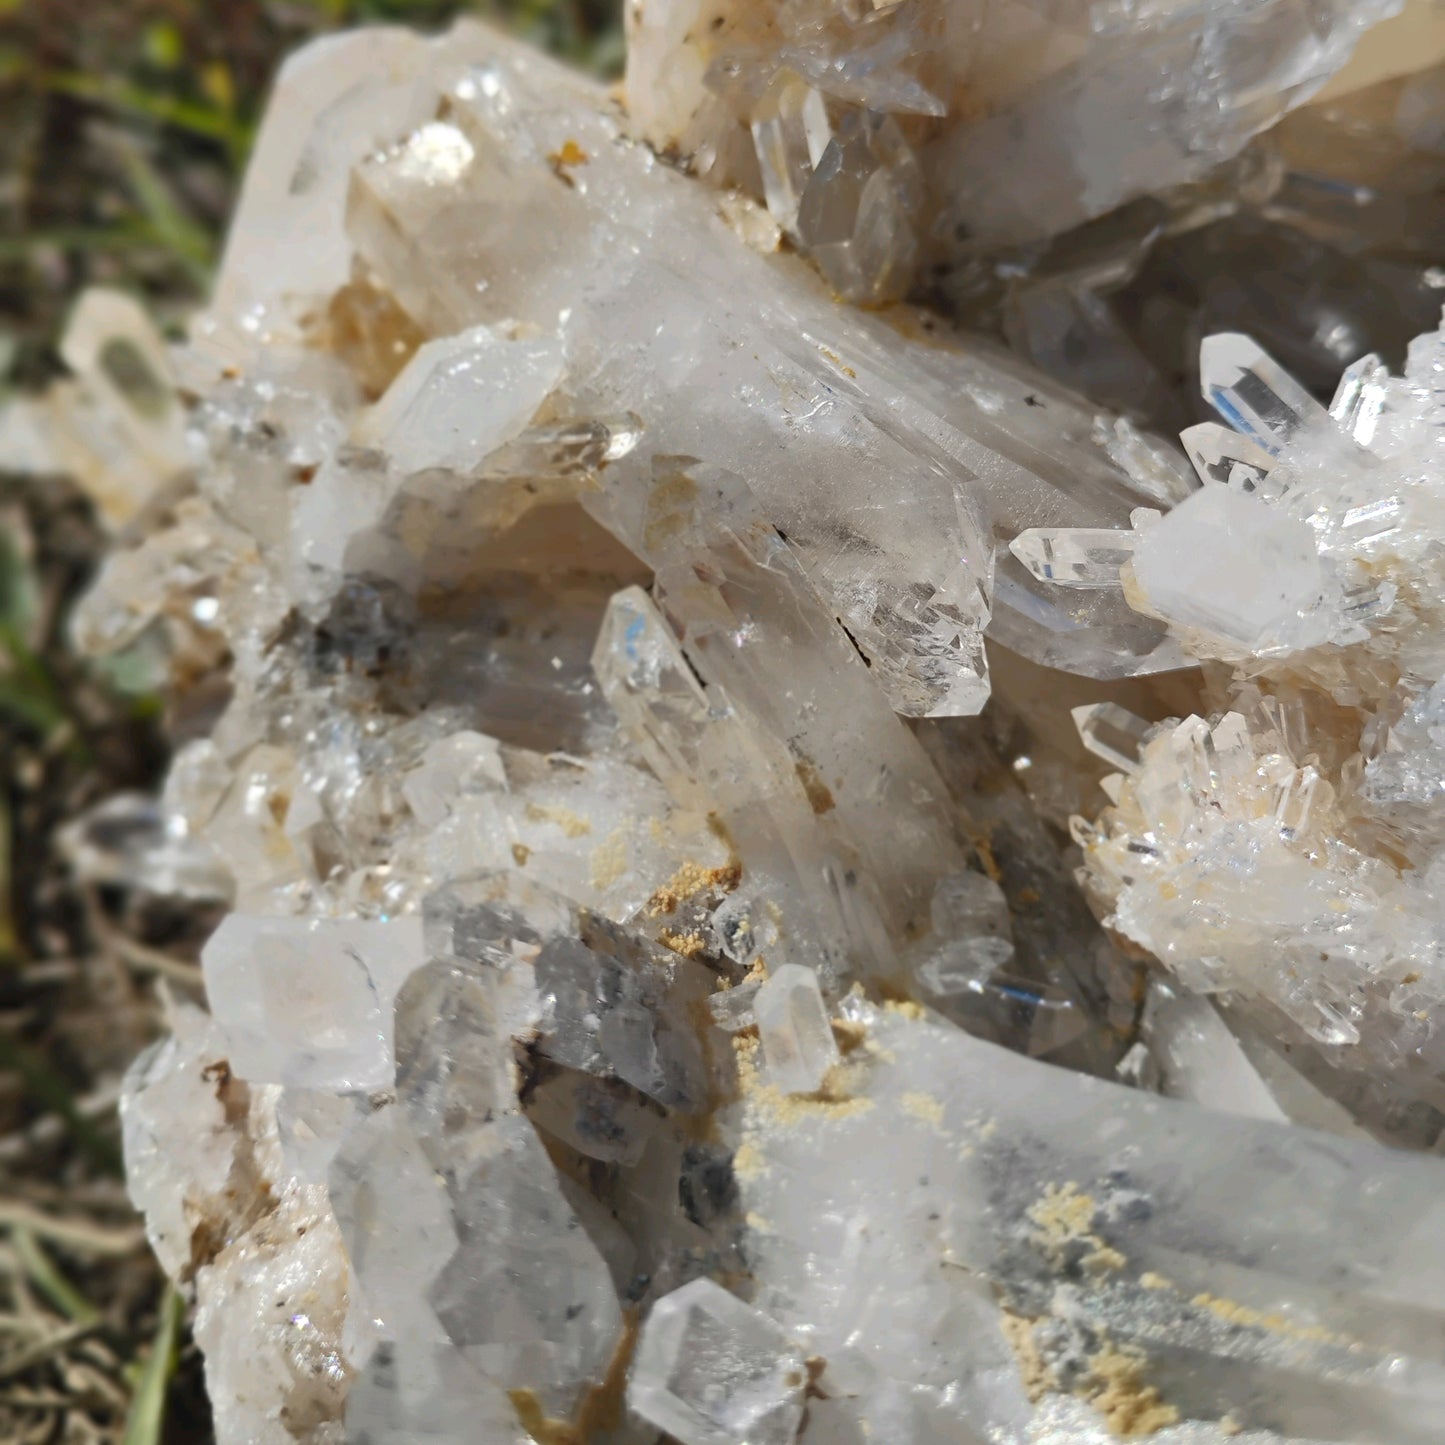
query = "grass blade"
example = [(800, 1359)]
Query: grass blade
[(147, 1416)]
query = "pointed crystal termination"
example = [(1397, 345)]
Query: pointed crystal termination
[(1220, 454), (1253, 392), (712, 1371), (972, 936), (656, 696), (790, 133), (1360, 398), (1074, 556), (460, 398), (1111, 732), (1197, 1056), (797, 1038), (1228, 565), (856, 218)]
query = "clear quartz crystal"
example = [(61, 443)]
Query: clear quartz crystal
[(1074, 556), (856, 217), (460, 398), (1360, 397), (791, 134), (1252, 392), (1220, 454), (711, 1371), (798, 1044), (1111, 732)]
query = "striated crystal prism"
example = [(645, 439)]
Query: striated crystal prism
[(1360, 398)]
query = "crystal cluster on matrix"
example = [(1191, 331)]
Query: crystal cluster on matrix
[(659, 1000)]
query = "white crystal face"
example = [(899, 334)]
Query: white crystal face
[(1226, 564), (308, 1003)]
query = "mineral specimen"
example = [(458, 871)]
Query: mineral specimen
[(960, 122), (654, 1005)]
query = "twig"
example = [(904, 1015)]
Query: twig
[(152, 960), (90, 1238), (42, 1350)]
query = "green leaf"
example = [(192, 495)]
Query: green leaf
[(199, 120), (147, 1417), (190, 243), (47, 1278)]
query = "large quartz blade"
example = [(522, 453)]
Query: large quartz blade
[(1218, 1268)]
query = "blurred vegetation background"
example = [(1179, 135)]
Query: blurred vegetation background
[(125, 126)]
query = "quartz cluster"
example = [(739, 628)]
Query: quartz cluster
[(654, 1004)]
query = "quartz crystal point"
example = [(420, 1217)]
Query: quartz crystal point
[(1032, 118), (797, 1038), (711, 1371), (116, 426)]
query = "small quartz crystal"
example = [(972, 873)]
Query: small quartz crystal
[(798, 1044), (712, 1371)]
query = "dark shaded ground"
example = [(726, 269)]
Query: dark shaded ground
[(124, 126)]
